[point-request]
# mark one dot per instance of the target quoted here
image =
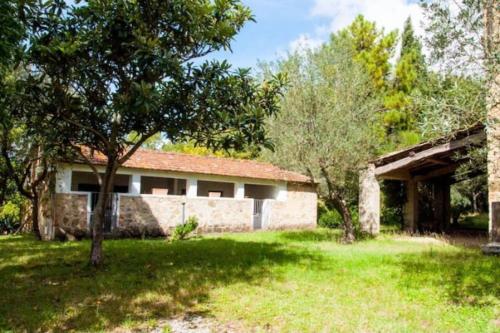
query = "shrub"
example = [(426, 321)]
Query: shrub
[(391, 216), (10, 217), (330, 219), (183, 230)]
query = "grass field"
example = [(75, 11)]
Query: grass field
[(268, 281)]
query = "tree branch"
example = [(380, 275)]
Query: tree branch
[(87, 161)]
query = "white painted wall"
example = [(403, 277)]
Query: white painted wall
[(191, 187), (282, 192), (63, 180), (239, 190), (135, 184)]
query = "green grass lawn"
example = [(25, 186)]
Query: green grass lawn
[(268, 281)]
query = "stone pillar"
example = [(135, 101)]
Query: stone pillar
[(411, 206), (492, 38), (239, 190), (369, 201)]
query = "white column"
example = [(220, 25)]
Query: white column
[(63, 180), (369, 201), (281, 192), (192, 187), (239, 190), (135, 184)]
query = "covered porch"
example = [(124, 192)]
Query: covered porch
[(426, 171)]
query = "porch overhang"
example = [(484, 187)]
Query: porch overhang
[(435, 162), (434, 159)]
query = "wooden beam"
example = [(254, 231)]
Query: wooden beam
[(438, 173), (443, 148), (438, 161)]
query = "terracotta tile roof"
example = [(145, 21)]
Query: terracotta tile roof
[(172, 161)]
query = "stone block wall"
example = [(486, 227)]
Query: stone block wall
[(221, 215), (70, 210), (164, 212), (158, 215), (298, 211)]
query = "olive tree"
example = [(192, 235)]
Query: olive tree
[(116, 67), (325, 126)]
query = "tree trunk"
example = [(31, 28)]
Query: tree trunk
[(475, 206), (343, 209), (35, 204), (341, 205), (96, 254)]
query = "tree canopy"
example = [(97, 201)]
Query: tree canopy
[(110, 68), (324, 128)]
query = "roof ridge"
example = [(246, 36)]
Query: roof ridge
[(161, 152)]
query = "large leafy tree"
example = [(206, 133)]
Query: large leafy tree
[(23, 157), (325, 126), (117, 66), (459, 53), (11, 32)]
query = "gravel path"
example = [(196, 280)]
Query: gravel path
[(192, 324)]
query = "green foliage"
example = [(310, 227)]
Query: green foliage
[(448, 103), (393, 200), (325, 127), (163, 90), (193, 149), (328, 218), (10, 217), (371, 48), (182, 231), (460, 203), (411, 68), (454, 35)]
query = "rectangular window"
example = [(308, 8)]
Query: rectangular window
[(162, 186), (260, 191), (215, 189)]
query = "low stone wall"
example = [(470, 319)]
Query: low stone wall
[(165, 212), (220, 215), (297, 212), (70, 211)]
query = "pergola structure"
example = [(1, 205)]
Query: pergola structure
[(433, 163)]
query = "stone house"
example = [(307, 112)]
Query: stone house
[(155, 191)]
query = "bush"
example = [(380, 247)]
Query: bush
[(330, 219), (183, 230), (10, 217), (392, 216)]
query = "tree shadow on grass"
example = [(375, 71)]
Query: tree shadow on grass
[(467, 277), (141, 280), (318, 235)]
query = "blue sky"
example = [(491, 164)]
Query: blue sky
[(285, 25)]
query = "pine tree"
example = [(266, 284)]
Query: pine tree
[(410, 72)]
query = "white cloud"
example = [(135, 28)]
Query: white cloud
[(389, 14), (304, 42)]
